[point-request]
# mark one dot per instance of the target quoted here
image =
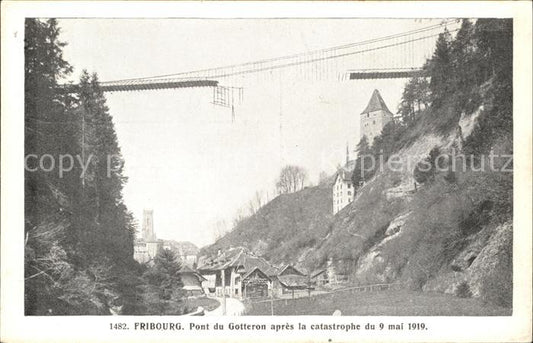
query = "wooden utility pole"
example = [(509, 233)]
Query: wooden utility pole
[(223, 292)]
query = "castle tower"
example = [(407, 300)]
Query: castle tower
[(375, 116), (148, 226)]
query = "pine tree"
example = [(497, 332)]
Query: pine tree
[(415, 98), (164, 275), (466, 69), (361, 173), (114, 231), (49, 129), (440, 70), (494, 57), (75, 227)]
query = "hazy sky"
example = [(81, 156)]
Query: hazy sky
[(185, 158)]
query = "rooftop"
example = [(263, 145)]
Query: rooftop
[(376, 103), (236, 257)]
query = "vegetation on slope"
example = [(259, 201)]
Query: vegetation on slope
[(282, 229), (78, 231), (454, 215), (442, 232), (79, 234)]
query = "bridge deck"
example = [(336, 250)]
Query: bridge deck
[(144, 85), (365, 75)]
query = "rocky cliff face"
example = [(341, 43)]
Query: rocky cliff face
[(431, 237), (434, 236), (450, 231)]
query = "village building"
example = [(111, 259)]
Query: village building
[(343, 188), (186, 252), (335, 273), (238, 273), (192, 282), (289, 280), (319, 278)]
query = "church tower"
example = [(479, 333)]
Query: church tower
[(347, 154), (374, 118), (148, 226)]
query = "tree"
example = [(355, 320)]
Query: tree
[(361, 173), (240, 217), (440, 70), (77, 229), (291, 179), (257, 202), (164, 275), (494, 41), (463, 290), (220, 229), (323, 178), (425, 170), (48, 123), (49, 129), (104, 179), (415, 98)]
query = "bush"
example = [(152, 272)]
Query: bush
[(422, 172), (463, 290), (425, 170), (450, 177)]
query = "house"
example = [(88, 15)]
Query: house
[(186, 252), (256, 284), (337, 271), (319, 277), (374, 117), (290, 279), (192, 281), (237, 273), (343, 188)]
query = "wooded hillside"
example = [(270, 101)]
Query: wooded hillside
[(449, 230)]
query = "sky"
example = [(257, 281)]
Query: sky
[(185, 157)]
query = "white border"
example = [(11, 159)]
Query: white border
[(17, 328)]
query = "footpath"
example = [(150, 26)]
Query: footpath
[(234, 307)]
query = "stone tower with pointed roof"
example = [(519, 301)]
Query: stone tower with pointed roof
[(375, 116)]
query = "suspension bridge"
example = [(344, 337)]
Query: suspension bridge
[(400, 55)]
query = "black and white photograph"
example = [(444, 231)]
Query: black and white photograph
[(188, 166)]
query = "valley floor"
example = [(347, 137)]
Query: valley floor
[(233, 308), (380, 303)]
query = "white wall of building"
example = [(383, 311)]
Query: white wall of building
[(343, 192)]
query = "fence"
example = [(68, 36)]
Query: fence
[(354, 289)]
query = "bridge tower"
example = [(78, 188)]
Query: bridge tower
[(375, 116)]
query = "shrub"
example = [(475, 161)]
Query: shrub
[(425, 170), (450, 177), (463, 290)]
